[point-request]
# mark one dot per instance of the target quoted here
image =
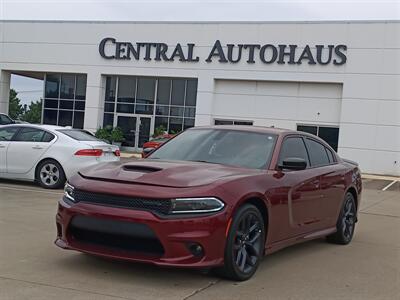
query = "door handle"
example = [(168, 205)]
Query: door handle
[(2, 146), (37, 147)]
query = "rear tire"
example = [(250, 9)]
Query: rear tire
[(346, 222), (244, 245), (49, 174)]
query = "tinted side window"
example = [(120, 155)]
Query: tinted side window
[(7, 133), (48, 137), (330, 155), (28, 134), (293, 147), (317, 152)]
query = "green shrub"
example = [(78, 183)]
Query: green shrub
[(159, 131), (117, 135), (104, 133)]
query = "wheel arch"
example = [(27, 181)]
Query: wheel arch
[(353, 191), (261, 204)]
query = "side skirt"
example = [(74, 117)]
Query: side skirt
[(298, 239)]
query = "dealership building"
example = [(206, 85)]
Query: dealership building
[(338, 80)]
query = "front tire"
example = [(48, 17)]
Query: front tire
[(244, 245), (346, 222), (50, 174)]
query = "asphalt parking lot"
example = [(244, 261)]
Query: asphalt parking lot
[(32, 267)]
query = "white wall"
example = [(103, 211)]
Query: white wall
[(367, 110), (281, 104)]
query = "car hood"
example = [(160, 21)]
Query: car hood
[(165, 173)]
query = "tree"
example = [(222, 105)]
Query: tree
[(34, 112), (15, 109)]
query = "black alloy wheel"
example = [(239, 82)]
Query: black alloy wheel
[(245, 244), (346, 222)]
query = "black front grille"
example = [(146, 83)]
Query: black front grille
[(158, 206), (115, 234)]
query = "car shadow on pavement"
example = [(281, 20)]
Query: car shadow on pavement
[(88, 265), (25, 184)]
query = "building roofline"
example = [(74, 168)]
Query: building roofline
[(202, 22)]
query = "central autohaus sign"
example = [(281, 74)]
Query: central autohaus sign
[(109, 48)]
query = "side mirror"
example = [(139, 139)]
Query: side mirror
[(147, 151), (293, 163)]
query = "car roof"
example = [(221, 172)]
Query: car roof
[(46, 127), (262, 129), (250, 128)]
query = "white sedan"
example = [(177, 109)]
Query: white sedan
[(49, 154)]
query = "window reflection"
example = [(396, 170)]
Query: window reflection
[(171, 100), (67, 86), (64, 103), (52, 86)]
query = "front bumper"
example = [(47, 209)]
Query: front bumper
[(176, 235)]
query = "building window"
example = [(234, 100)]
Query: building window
[(327, 133), (172, 101), (232, 122), (64, 100)]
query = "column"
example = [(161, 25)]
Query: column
[(94, 108), (5, 77), (204, 103)]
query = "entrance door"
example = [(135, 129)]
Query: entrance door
[(128, 127), (144, 131), (136, 129)]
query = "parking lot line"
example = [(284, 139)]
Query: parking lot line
[(389, 185)]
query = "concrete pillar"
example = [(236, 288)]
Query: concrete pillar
[(94, 109), (5, 78), (204, 104)]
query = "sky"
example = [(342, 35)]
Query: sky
[(200, 10), (188, 10)]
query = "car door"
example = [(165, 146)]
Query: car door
[(331, 180), (6, 134), (26, 149), (302, 190)]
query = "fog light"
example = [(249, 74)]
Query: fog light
[(196, 249)]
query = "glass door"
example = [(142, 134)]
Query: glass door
[(144, 130), (136, 129), (128, 126)]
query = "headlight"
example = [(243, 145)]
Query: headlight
[(196, 205), (69, 192)]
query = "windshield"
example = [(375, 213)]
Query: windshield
[(5, 120), (78, 135), (230, 147)]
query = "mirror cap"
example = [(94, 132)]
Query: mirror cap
[(293, 163)]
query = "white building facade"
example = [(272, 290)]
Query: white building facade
[(339, 80)]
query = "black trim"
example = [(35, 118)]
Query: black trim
[(115, 234), (156, 206), (294, 136), (309, 136)]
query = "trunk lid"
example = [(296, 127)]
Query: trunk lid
[(108, 150)]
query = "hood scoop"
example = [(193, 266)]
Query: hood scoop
[(140, 168)]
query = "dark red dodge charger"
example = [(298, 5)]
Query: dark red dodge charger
[(219, 196)]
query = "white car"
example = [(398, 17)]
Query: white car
[(49, 154)]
